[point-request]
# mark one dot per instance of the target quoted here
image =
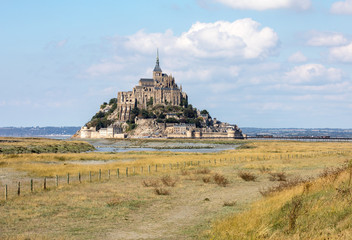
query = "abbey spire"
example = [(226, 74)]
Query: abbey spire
[(157, 66)]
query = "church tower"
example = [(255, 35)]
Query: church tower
[(157, 73)]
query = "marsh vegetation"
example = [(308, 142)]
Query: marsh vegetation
[(188, 195)]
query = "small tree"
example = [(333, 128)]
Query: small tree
[(145, 114), (112, 101), (184, 102), (204, 112), (150, 102)]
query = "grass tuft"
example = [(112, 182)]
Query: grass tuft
[(206, 179), (151, 183), (203, 171), (279, 176), (264, 170), (230, 203), (284, 186), (168, 181), (184, 172), (161, 191)]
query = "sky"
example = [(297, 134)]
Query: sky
[(254, 63)]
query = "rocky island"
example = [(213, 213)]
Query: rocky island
[(158, 108)]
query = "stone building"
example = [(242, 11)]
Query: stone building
[(161, 89), (109, 132)]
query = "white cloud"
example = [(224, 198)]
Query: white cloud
[(297, 57), (313, 73), (319, 39), (239, 39), (56, 44), (61, 43), (342, 7), (341, 54), (261, 5), (104, 68)]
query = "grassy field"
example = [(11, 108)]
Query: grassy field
[(316, 209), (9, 145), (180, 200)]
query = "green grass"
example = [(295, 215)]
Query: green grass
[(41, 145)]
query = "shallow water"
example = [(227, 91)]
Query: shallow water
[(107, 145)]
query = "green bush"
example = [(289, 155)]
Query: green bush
[(112, 101)]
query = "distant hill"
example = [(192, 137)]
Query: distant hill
[(250, 131), (298, 132), (38, 131)]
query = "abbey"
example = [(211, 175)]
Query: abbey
[(161, 89), (157, 108)]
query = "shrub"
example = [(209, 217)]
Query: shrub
[(264, 169), (114, 202), (284, 185), (204, 112), (112, 101), (220, 180), (203, 171), (172, 120), (247, 176), (150, 183), (184, 172), (206, 179), (168, 181), (229, 204), (280, 176), (332, 172), (161, 191)]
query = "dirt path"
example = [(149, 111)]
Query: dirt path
[(188, 210)]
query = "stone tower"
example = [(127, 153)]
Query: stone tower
[(157, 72)]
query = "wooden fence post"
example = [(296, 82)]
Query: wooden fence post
[(126, 171), (79, 177), (149, 169), (57, 180), (6, 192), (99, 174), (31, 185), (90, 176), (44, 185), (117, 173), (68, 178), (19, 189)]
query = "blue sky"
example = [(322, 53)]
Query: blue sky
[(256, 63)]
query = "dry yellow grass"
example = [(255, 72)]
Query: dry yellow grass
[(318, 209), (275, 155), (87, 210)]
